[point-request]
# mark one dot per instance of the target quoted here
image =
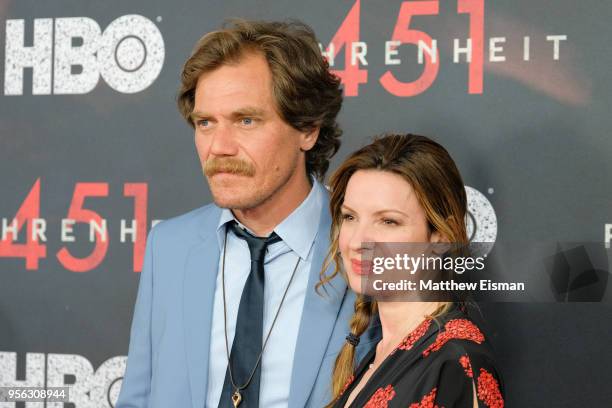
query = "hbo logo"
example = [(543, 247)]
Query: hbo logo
[(68, 55)]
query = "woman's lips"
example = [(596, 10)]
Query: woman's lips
[(361, 267)]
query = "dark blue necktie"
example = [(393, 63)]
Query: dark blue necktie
[(249, 326)]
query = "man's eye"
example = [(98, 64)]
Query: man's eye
[(203, 123), (247, 121)]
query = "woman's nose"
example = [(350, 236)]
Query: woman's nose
[(362, 238)]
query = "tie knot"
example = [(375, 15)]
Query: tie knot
[(257, 245)]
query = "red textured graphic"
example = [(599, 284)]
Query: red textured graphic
[(347, 34), (381, 397), (31, 250), (79, 214), (403, 34), (348, 383), (460, 329), (428, 401), (488, 390), (139, 192), (475, 8), (467, 366), (414, 336)]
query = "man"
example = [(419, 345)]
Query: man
[(213, 289)]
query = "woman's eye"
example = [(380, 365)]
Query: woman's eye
[(388, 221), (347, 217), (203, 123)]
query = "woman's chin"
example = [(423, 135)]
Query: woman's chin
[(355, 283)]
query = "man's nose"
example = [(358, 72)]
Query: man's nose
[(223, 142)]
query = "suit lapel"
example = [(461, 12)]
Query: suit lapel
[(318, 320), (199, 283)]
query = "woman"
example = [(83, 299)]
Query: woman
[(405, 188)]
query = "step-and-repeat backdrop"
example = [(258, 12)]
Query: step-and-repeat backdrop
[(93, 153)]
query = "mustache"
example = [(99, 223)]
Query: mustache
[(228, 165)]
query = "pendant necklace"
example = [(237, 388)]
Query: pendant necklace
[(236, 395)]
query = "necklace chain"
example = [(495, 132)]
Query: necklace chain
[(263, 347)]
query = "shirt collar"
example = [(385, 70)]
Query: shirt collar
[(300, 227)]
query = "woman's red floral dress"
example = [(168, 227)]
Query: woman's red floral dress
[(438, 365)]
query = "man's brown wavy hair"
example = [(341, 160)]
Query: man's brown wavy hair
[(307, 94)]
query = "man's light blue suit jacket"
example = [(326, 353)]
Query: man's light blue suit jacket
[(170, 336)]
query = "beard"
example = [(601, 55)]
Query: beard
[(244, 192)]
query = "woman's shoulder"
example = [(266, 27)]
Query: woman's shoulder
[(456, 327), (446, 361), (448, 336), (456, 333), (457, 337), (461, 354)]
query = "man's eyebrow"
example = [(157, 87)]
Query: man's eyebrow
[(248, 111), (239, 113), (197, 115)]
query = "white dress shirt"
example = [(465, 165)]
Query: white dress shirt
[(298, 232)]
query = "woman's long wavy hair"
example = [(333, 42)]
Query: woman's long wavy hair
[(433, 175)]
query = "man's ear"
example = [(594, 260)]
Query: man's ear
[(309, 139)]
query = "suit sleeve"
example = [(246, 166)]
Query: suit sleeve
[(136, 387)]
